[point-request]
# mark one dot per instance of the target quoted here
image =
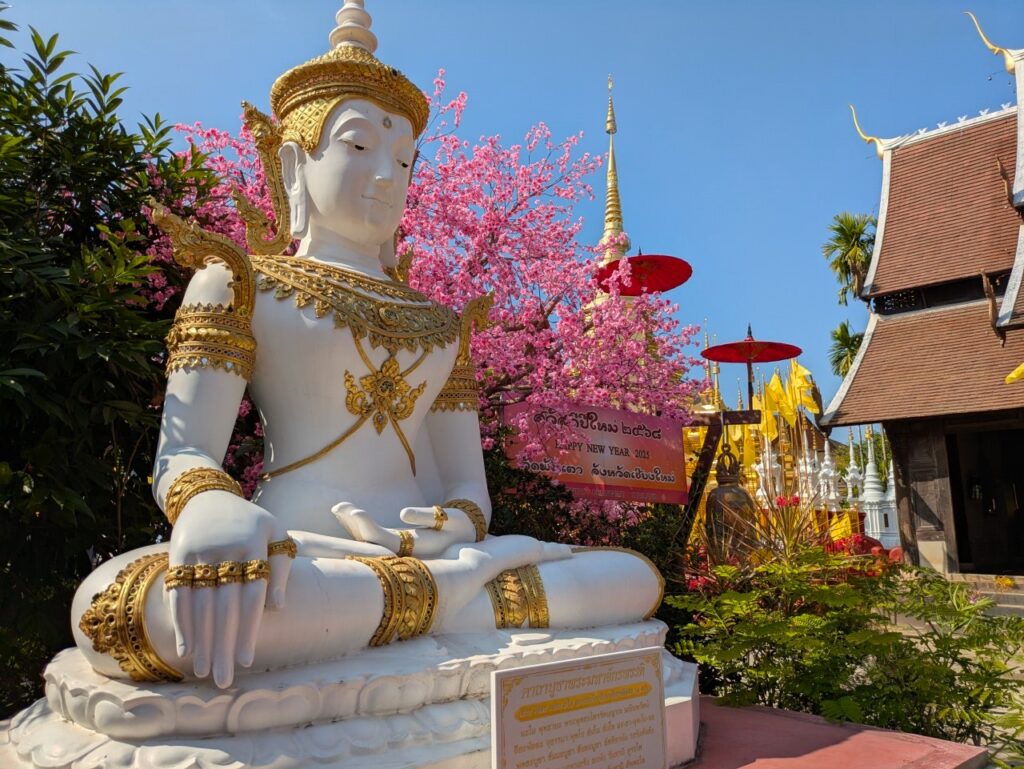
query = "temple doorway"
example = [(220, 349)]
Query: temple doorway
[(987, 484)]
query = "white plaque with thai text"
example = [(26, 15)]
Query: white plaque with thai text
[(602, 712)]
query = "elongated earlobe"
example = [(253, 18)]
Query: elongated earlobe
[(293, 160), (388, 258)]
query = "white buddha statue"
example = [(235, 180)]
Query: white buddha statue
[(370, 523)]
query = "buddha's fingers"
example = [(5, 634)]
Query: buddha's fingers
[(227, 599), (361, 526), (254, 596), (313, 545), (454, 523), (202, 633), (487, 559), (554, 551), (280, 568), (181, 619)]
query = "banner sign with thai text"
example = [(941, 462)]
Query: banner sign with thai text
[(606, 453)]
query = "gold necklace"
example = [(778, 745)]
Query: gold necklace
[(365, 306)]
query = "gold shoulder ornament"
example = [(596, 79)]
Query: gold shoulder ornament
[(460, 392), (210, 336)]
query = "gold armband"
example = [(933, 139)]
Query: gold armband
[(475, 514), (517, 595), (211, 336), (460, 392), (194, 481), (410, 597)]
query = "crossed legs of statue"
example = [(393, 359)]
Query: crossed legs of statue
[(339, 605)]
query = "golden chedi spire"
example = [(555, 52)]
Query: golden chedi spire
[(612, 204)]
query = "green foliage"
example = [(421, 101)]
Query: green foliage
[(854, 639), (848, 251), (80, 346), (845, 344)]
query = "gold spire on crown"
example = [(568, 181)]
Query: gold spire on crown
[(612, 204), (303, 96)]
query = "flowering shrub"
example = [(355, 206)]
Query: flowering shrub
[(779, 619)]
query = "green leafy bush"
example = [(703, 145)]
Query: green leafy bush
[(80, 343), (782, 622)]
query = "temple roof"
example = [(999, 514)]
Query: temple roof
[(945, 360), (944, 214)]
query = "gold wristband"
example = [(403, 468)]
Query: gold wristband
[(195, 481), (473, 512)]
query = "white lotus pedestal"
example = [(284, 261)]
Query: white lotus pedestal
[(420, 703)]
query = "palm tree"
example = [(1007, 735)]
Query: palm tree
[(848, 250), (844, 348)]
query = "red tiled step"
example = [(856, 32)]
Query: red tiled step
[(763, 738)]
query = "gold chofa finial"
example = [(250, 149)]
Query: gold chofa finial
[(1007, 56), (879, 150)]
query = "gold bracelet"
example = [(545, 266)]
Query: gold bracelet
[(440, 518), (179, 576), (229, 573), (473, 512), (256, 569), (406, 543), (205, 575), (283, 547), (195, 481)]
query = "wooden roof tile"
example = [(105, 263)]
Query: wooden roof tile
[(947, 215), (930, 363)]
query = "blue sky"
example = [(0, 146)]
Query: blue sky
[(735, 146)]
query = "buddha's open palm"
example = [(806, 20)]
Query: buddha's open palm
[(218, 626)]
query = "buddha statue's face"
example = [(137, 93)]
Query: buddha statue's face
[(353, 186)]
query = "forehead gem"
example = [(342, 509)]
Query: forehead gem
[(387, 121)]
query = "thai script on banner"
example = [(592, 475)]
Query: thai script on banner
[(606, 453)]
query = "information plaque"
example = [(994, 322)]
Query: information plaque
[(602, 712)]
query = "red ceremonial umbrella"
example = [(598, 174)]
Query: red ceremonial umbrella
[(650, 273), (751, 351)]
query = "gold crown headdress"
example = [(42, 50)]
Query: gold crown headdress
[(305, 95)]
